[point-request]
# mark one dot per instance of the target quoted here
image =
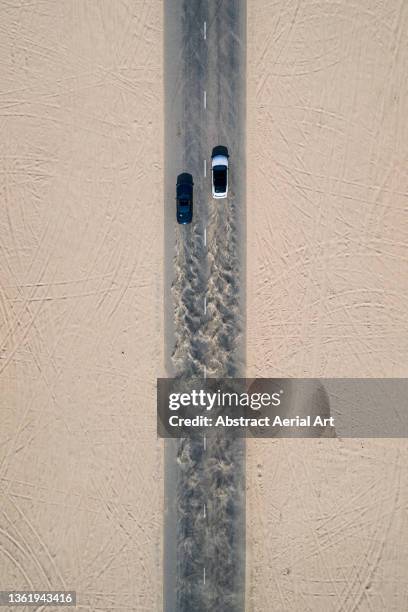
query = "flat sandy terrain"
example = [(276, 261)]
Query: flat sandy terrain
[(327, 294), (81, 300), (81, 321)]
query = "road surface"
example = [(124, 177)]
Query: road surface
[(204, 301)]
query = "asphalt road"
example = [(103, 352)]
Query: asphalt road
[(204, 297)]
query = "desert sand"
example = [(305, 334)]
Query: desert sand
[(81, 300), (327, 294), (82, 297)]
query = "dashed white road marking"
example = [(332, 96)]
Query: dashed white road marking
[(205, 298)]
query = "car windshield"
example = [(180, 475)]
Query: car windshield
[(220, 178), (184, 205)]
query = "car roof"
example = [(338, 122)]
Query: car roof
[(220, 150), (185, 178)]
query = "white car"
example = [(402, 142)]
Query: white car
[(219, 168)]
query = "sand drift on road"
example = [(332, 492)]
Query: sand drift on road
[(204, 91), (211, 476)]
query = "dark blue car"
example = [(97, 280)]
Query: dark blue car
[(184, 197)]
